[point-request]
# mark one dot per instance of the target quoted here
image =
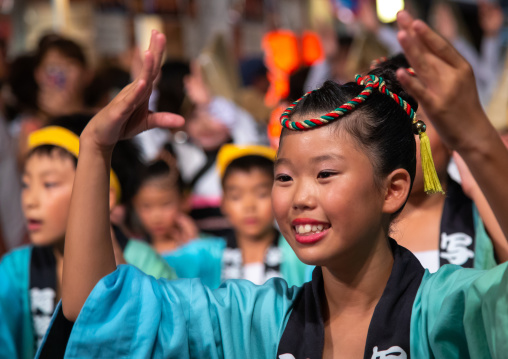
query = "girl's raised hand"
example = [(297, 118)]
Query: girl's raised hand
[(127, 114), (444, 84)]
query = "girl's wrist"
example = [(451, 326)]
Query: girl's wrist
[(477, 140), (89, 143)]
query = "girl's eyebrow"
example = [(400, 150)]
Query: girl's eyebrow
[(327, 157), (281, 161), (322, 158)]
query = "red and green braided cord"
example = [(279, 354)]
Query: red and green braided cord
[(369, 81)]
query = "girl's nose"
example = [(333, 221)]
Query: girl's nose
[(304, 197)]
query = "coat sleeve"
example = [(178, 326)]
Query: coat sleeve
[(132, 315), (16, 334), (461, 313)]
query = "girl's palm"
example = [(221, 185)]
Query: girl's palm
[(127, 114)]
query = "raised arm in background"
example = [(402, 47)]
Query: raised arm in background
[(445, 88), (89, 253)]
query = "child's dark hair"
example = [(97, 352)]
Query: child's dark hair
[(21, 81), (64, 46), (171, 87), (379, 125), (248, 164), (125, 160), (164, 169)]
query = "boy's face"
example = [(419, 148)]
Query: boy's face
[(46, 195), (157, 207), (247, 202)]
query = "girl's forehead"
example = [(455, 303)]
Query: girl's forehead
[(310, 142)]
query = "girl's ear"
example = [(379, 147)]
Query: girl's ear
[(397, 188)]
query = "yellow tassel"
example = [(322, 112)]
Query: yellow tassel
[(430, 179)]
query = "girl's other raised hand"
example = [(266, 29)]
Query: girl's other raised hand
[(127, 114), (444, 84), (445, 87)]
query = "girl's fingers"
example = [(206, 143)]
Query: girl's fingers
[(404, 20), (147, 68), (133, 97), (164, 120), (415, 53), (415, 87), (438, 45), (160, 44)]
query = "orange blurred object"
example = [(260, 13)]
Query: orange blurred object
[(312, 50), (285, 52), (274, 128)]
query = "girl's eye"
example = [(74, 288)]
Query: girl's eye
[(24, 185), (283, 178), (50, 184), (325, 174)]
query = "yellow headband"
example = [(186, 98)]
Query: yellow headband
[(69, 141), (228, 153)]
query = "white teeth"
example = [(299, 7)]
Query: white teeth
[(307, 228)]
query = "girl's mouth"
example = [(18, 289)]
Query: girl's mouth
[(309, 231)]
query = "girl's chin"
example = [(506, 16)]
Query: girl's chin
[(312, 256)]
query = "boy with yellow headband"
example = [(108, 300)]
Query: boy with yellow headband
[(31, 276), (255, 250)]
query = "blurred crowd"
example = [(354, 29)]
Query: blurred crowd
[(223, 99)]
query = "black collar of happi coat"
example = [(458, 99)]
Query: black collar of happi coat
[(388, 334)]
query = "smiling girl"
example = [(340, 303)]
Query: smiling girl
[(337, 189)]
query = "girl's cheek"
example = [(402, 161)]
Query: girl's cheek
[(280, 206)]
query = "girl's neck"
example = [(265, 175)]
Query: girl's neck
[(356, 285), (164, 243), (421, 201), (254, 247)]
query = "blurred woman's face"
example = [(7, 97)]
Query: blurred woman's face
[(205, 131), (57, 71)]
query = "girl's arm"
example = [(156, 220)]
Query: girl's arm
[(446, 89), (89, 254)]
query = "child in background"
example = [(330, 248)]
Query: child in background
[(53, 83), (255, 250), (348, 172), (159, 204), (212, 121), (62, 75), (31, 276)]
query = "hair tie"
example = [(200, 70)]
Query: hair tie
[(371, 82)]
